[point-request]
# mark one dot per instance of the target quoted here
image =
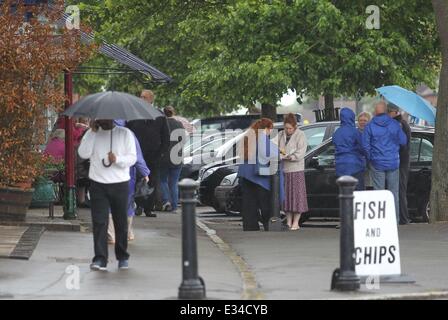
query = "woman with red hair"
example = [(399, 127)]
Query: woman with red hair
[(255, 175)]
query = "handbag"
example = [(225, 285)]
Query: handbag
[(142, 190)]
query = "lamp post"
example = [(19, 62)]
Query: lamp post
[(69, 187)]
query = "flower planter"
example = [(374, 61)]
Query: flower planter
[(14, 203), (44, 194)]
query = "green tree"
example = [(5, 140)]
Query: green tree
[(222, 54), (149, 29), (256, 50)]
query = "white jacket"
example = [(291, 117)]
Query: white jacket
[(96, 146), (296, 148)]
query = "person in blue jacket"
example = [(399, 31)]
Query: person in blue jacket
[(349, 155), (381, 142), (254, 175)]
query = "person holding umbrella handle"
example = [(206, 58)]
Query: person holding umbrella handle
[(105, 125), (109, 186)]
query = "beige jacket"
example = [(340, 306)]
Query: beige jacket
[(296, 148)]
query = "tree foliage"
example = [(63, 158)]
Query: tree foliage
[(33, 54), (228, 53)]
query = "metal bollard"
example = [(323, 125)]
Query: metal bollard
[(192, 286), (345, 278)]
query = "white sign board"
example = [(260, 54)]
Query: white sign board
[(377, 249)]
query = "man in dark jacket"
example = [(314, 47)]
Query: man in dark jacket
[(153, 136), (393, 111), (381, 142), (349, 154)]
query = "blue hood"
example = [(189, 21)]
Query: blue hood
[(347, 117), (383, 120)]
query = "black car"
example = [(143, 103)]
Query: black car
[(321, 180), (210, 176)]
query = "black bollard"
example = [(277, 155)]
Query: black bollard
[(192, 286), (345, 278)]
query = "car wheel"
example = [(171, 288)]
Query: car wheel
[(218, 208), (304, 218), (427, 212), (232, 213)]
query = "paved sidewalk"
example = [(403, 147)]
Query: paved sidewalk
[(233, 263), (155, 266)]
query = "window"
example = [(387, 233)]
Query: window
[(212, 126), (414, 149), (426, 150), (211, 146), (326, 158), (314, 136), (421, 150)]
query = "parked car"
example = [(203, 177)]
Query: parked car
[(211, 175), (217, 155), (200, 150), (321, 180), (222, 123)]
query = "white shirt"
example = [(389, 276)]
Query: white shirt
[(96, 146)]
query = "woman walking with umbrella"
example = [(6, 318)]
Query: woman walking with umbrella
[(112, 151)]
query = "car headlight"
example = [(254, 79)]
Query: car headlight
[(207, 173), (229, 180)]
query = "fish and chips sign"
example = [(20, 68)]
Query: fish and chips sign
[(377, 251)]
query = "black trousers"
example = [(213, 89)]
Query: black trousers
[(256, 205), (156, 197), (404, 213), (113, 198)]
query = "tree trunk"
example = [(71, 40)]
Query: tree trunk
[(439, 187), (329, 114), (252, 109), (269, 111), (329, 101)]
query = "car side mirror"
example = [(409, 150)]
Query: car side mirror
[(314, 163)]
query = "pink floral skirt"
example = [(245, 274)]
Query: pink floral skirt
[(295, 192)]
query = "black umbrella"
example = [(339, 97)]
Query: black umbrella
[(112, 105)]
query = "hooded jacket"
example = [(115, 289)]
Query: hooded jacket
[(349, 154), (381, 142)]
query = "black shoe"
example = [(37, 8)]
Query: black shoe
[(98, 266), (138, 211), (151, 214), (266, 226)]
